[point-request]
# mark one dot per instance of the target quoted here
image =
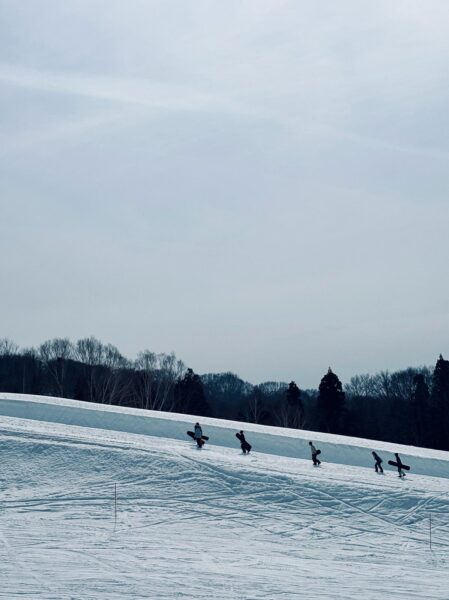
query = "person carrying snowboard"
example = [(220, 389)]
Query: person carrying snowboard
[(315, 453), (246, 448), (198, 435), (400, 465), (377, 463)]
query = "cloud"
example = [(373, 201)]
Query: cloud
[(139, 92), (61, 130), (288, 157)]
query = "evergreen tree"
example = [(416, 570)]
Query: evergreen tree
[(190, 396), (293, 394), (440, 405), (295, 406), (331, 403)]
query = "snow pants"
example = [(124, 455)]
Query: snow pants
[(245, 447)]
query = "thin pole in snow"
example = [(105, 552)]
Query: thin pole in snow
[(430, 530), (115, 505)]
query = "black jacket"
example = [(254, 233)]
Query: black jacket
[(377, 457)]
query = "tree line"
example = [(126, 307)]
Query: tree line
[(410, 406)]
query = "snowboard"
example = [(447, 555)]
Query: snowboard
[(245, 446), (316, 454), (395, 464), (192, 435)]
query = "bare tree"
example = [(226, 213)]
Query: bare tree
[(156, 377), (172, 370), (146, 369), (255, 406), (55, 354), (89, 351), (104, 368), (8, 347), (360, 386)]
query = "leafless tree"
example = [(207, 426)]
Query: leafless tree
[(89, 351), (156, 377), (54, 354), (104, 369), (8, 347), (289, 416), (255, 406)]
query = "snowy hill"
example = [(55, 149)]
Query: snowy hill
[(209, 523)]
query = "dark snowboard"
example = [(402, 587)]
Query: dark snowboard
[(192, 435), (395, 464), (245, 446), (318, 452)]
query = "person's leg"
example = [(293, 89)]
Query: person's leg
[(380, 467), (376, 467)]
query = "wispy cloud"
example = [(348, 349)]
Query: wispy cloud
[(61, 130), (132, 98), (139, 92), (376, 143), (287, 157)]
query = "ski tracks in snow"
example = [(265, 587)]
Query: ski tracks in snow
[(272, 524)]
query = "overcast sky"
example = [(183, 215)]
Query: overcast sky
[(259, 186)]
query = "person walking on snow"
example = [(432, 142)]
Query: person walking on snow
[(198, 435), (400, 465), (377, 463), (244, 445), (315, 453)]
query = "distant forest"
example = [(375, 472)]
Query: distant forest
[(410, 406)]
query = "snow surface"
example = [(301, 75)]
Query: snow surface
[(209, 523)]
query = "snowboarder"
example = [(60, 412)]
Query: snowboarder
[(377, 463), (246, 448), (400, 465), (198, 435), (315, 453)]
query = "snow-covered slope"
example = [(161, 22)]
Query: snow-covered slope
[(271, 440), (209, 523)]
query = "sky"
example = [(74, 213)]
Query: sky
[(258, 186)]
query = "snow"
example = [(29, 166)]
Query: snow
[(209, 523)]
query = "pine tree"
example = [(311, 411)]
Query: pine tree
[(331, 403), (295, 406), (293, 394), (190, 396), (440, 405)]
